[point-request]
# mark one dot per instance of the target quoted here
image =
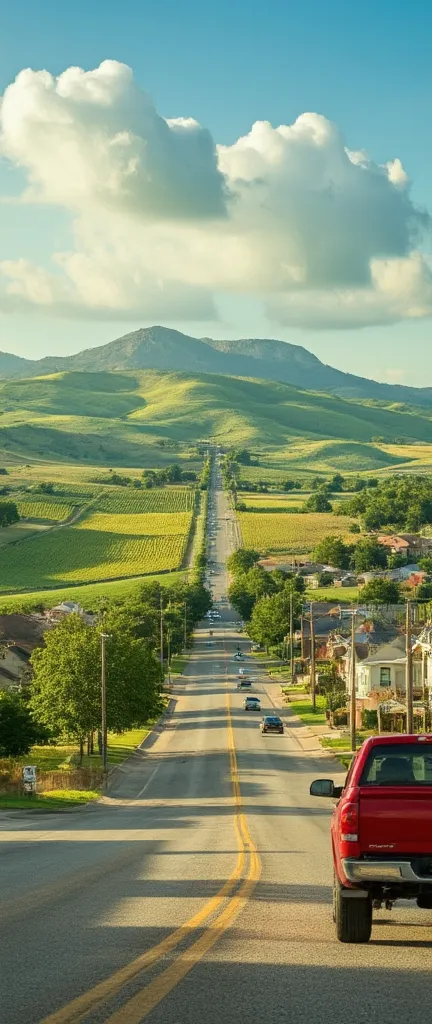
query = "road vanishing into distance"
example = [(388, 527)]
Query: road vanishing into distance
[(199, 890)]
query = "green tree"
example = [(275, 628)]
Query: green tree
[(325, 579), (426, 564), (270, 618), (288, 485), (332, 551), (248, 587), (318, 502), (67, 673), (8, 513), (18, 731), (395, 561), (242, 560), (381, 591), (336, 483), (424, 591), (240, 598), (369, 554)]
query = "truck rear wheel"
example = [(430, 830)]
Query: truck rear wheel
[(424, 901), (352, 916)]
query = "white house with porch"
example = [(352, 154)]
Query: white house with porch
[(385, 670)]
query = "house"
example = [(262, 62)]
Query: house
[(410, 545), (395, 544), (19, 635), (60, 611), (384, 669)]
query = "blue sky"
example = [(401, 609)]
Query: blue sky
[(365, 67)]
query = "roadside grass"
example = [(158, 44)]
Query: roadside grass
[(304, 710), (55, 800), (178, 664), (65, 756)]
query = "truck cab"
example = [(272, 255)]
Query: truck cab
[(381, 831)]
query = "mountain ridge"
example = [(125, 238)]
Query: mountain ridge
[(163, 348)]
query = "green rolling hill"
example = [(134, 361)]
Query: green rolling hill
[(112, 417)]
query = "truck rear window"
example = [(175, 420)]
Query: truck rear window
[(409, 764)]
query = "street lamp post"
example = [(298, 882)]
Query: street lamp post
[(353, 706), (409, 672), (104, 638), (312, 659), (161, 636)]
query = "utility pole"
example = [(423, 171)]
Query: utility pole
[(185, 625), (409, 672), (161, 636), (291, 637), (302, 636), (169, 655), (104, 637), (353, 706), (312, 658)]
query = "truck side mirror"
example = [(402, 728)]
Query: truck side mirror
[(323, 787)]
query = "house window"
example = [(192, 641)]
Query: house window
[(385, 677)]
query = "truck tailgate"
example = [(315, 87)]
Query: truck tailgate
[(396, 821)]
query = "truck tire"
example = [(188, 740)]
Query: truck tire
[(352, 916), (424, 901)]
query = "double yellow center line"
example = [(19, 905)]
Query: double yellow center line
[(237, 890)]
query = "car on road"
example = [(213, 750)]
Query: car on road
[(381, 831), (217, 615), (238, 656), (244, 684), (252, 704), (272, 723), (210, 643)]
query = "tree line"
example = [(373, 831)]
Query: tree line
[(399, 502), (63, 698), (263, 599)]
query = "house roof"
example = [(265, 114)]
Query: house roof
[(393, 652), (394, 541)]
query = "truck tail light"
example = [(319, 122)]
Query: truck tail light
[(349, 821)]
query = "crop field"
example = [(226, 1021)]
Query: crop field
[(152, 524), (295, 533), (178, 499), (52, 510), (100, 547), (274, 502), (87, 594)]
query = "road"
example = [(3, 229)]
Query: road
[(200, 889)]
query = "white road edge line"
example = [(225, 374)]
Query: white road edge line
[(148, 781)]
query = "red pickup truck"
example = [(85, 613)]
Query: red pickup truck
[(381, 831)]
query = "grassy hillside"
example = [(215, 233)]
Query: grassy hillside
[(109, 418)]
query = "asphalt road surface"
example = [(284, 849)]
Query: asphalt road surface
[(199, 892)]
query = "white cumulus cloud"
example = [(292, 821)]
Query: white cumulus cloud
[(164, 219)]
